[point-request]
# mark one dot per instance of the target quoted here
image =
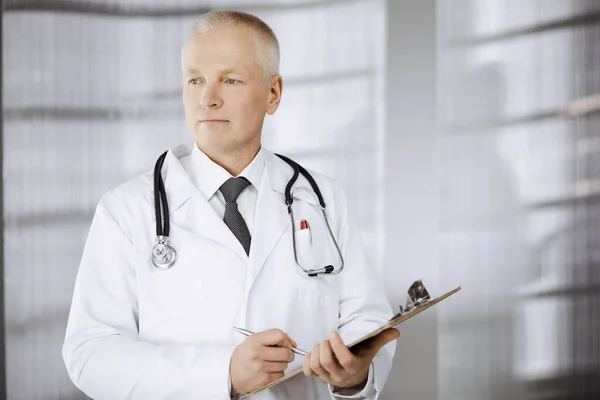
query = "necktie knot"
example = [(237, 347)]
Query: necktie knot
[(233, 187)]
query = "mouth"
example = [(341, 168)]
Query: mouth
[(213, 121)]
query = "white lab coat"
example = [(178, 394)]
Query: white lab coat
[(141, 333)]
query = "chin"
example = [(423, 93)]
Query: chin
[(220, 140), (214, 142)]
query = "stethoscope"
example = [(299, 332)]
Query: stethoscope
[(164, 255)]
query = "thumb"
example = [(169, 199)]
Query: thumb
[(292, 342), (376, 343), (385, 337)]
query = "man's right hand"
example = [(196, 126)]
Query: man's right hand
[(260, 360)]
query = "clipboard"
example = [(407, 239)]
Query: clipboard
[(418, 300)]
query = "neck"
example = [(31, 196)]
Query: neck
[(233, 162)]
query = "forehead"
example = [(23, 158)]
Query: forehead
[(222, 48)]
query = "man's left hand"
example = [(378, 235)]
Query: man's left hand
[(332, 362)]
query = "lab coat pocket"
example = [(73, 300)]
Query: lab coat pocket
[(315, 250), (304, 249)]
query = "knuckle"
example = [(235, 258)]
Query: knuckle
[(257, 365), (315, 362), (277, 375), (307, 370), (345, 363), (254, 354), (261, 365), (306, 361), (279, 335), (264, 379), (327, 362), (337, 379)]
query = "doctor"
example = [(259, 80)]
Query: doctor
[(139, 332)]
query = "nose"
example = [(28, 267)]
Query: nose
[(211, 98)]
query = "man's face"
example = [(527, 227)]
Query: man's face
[(225, 95)]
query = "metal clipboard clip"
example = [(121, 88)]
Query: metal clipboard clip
[(417, 296)]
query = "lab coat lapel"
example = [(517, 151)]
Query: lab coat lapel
[(200, 217), (271, 217), (204, 220)]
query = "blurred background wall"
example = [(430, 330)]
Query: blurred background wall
[(518, 101), (466, 133)]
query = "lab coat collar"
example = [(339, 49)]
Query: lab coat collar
[(281, 173), (208, 176), (278, 171), (178, 185), (180, 188)]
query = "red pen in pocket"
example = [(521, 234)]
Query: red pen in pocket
[(304, 225)]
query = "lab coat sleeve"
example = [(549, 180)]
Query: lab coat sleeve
[(364, 393), (364, 306), (102, 353)]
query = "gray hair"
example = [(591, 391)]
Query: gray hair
[(267, 44)]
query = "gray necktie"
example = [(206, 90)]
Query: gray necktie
[(231, 189)]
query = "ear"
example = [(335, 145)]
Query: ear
[(274, 98)]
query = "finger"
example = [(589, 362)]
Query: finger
[(294, 344), (280, 354), (315, 363), (275, 366), (273, 337), (276, 375), (328, 360), (306, 366), (343, 354)]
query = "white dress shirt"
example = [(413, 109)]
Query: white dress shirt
[(208, 177)]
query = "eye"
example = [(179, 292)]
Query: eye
[(194, 81), (231, 81)]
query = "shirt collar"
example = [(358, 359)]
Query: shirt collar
[(208, 176)]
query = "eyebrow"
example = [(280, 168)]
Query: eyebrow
[(194, 71), (191, 71), (230, 70)]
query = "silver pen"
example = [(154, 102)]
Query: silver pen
[(246, 332)]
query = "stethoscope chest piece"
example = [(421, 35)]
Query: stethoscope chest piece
[(163, 255)]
